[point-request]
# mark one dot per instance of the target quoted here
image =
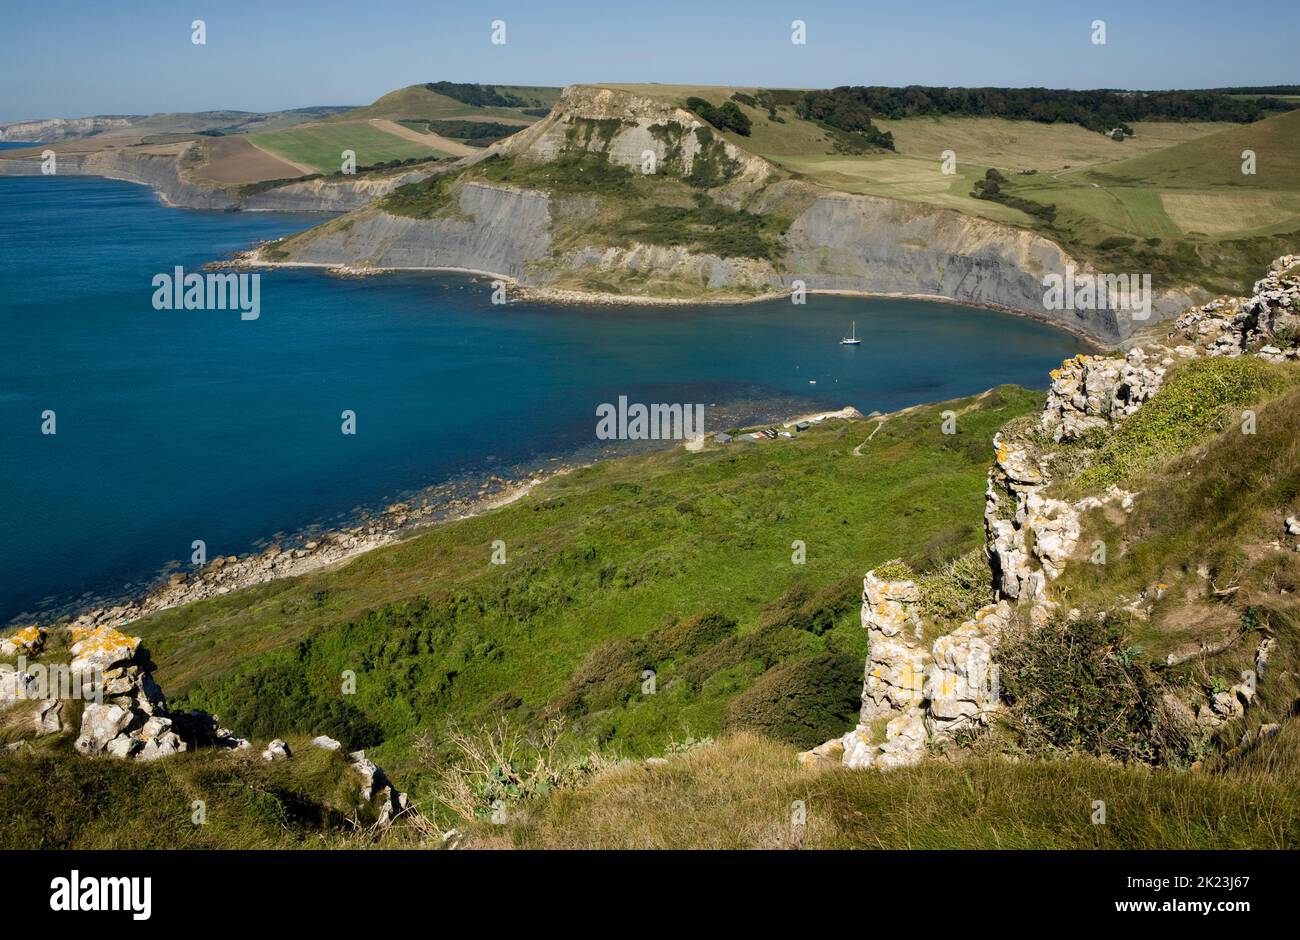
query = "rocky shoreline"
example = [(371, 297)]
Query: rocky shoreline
[(309, 550), (315, 547)]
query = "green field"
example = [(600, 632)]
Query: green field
[(320, 146)]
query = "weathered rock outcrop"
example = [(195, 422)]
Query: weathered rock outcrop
[(1031, 537), (1266, 324), (897, 660), (1092, 392), (125, 715)]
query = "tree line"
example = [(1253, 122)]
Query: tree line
[(852, 108)]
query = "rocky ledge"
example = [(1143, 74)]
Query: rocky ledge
[(124, 714), (917, 695)]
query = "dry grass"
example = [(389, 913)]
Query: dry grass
[(739, 793)]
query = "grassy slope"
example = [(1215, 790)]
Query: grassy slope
[(433, 630), (1211, 496), (415, 102)]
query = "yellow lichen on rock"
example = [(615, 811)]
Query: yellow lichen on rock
[(26, 640)]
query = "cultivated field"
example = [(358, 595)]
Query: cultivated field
[(235, 160), (320, 146)]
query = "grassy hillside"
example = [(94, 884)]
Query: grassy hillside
[(601, 562), (1205, 529), (524, 682), (419, 103)]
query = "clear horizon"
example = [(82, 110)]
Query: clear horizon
[(69, 60)]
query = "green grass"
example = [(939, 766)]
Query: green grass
[(53, 798), (321, 146), (1195, 402), (613, 551)]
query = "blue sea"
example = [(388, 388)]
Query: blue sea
[(181, 425)]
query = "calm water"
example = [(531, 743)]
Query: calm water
[(174, 426)]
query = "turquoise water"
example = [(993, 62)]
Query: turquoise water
[(181, 425)]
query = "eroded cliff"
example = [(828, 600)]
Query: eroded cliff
[(617, 193)]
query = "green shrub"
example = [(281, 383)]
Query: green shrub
[(281, 699), (1077, 686), (606, 675), (579, 171), (727, 116), (690, 636), (958, 589), (420, 200), (803, 608), (804, 702)]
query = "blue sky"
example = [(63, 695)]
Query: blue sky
[(63, 58)]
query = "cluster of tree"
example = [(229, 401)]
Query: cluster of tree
[(1259, 90), (990, 188), (843, 112), (725, 117), (476, 133), (763, 100), (852, 108), (482, 96)]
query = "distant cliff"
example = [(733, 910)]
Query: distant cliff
[(566, 205), (621, 195), (165, 174), (52, 130)]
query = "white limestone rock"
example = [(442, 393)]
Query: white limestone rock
[(276, 750), (99, 725)]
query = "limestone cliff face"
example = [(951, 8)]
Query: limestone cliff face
[(497, 229), (866, 243)]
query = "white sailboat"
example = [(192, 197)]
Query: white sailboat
[(852, 339)]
